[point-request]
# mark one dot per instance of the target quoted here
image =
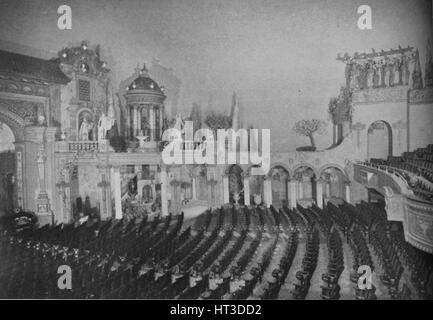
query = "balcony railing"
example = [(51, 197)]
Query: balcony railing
[(397, 177), (82, 146)]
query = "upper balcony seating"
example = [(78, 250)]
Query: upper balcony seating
[(419, 162)]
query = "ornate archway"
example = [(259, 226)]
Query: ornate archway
[(306, 183), (11, 172), (236, 184), (334, 182), (8, 173), (379, 140), (279, 178)]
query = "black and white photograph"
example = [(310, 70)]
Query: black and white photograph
[(241, 150)]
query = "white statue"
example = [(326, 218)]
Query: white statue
[(85, 129), (105, 123), (179, 122)]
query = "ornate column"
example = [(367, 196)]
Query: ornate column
[(161, 121), (319, 193), (19, 180), (347, 191), (327, 189), (300, 189), (175, 196), (134, 121), (42, 200), (246, 189), (194, 187), (105, 193), (164, 199), (267, 191), (226, 189), (291, 186), (115, 176), (307, 186), (152, 123), (64, 191), (138, 131)]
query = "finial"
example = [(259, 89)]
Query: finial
[(144, 71), (84, 45)]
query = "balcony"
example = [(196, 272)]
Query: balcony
[(401, 204)]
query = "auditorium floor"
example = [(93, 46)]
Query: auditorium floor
[(347, 291)]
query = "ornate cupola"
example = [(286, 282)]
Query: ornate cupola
[(145, 105)]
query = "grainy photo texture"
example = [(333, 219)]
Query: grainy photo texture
[(210, 149)]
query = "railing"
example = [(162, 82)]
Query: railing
[(397, 176), (192, 145), (82, 146)]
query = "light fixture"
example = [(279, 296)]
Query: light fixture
[(64, 55)]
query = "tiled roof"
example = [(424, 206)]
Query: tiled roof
[(31, 67)]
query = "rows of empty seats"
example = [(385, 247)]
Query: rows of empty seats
[(232, 252), (418, 162)]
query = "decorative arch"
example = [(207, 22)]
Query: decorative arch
[(282, 165), (236, 184), (307, 183), (305, 164), (379, 140), (15, 122), (334, 180), (333, 165), (79, 120), (279, 176), (200, 174)]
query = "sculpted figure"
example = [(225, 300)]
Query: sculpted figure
[(382, 74), (105, 123), (376, 74), (405, 70), (390, 68), (85, 129), (369, 74)]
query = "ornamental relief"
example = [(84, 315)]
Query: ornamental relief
[(32, 113), (24, 88), (421, 227), (421, 95), (380, 95), (145, 99)]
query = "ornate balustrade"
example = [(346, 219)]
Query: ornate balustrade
[(386, 177), (82, 146), (419, 224), (401, 204)]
